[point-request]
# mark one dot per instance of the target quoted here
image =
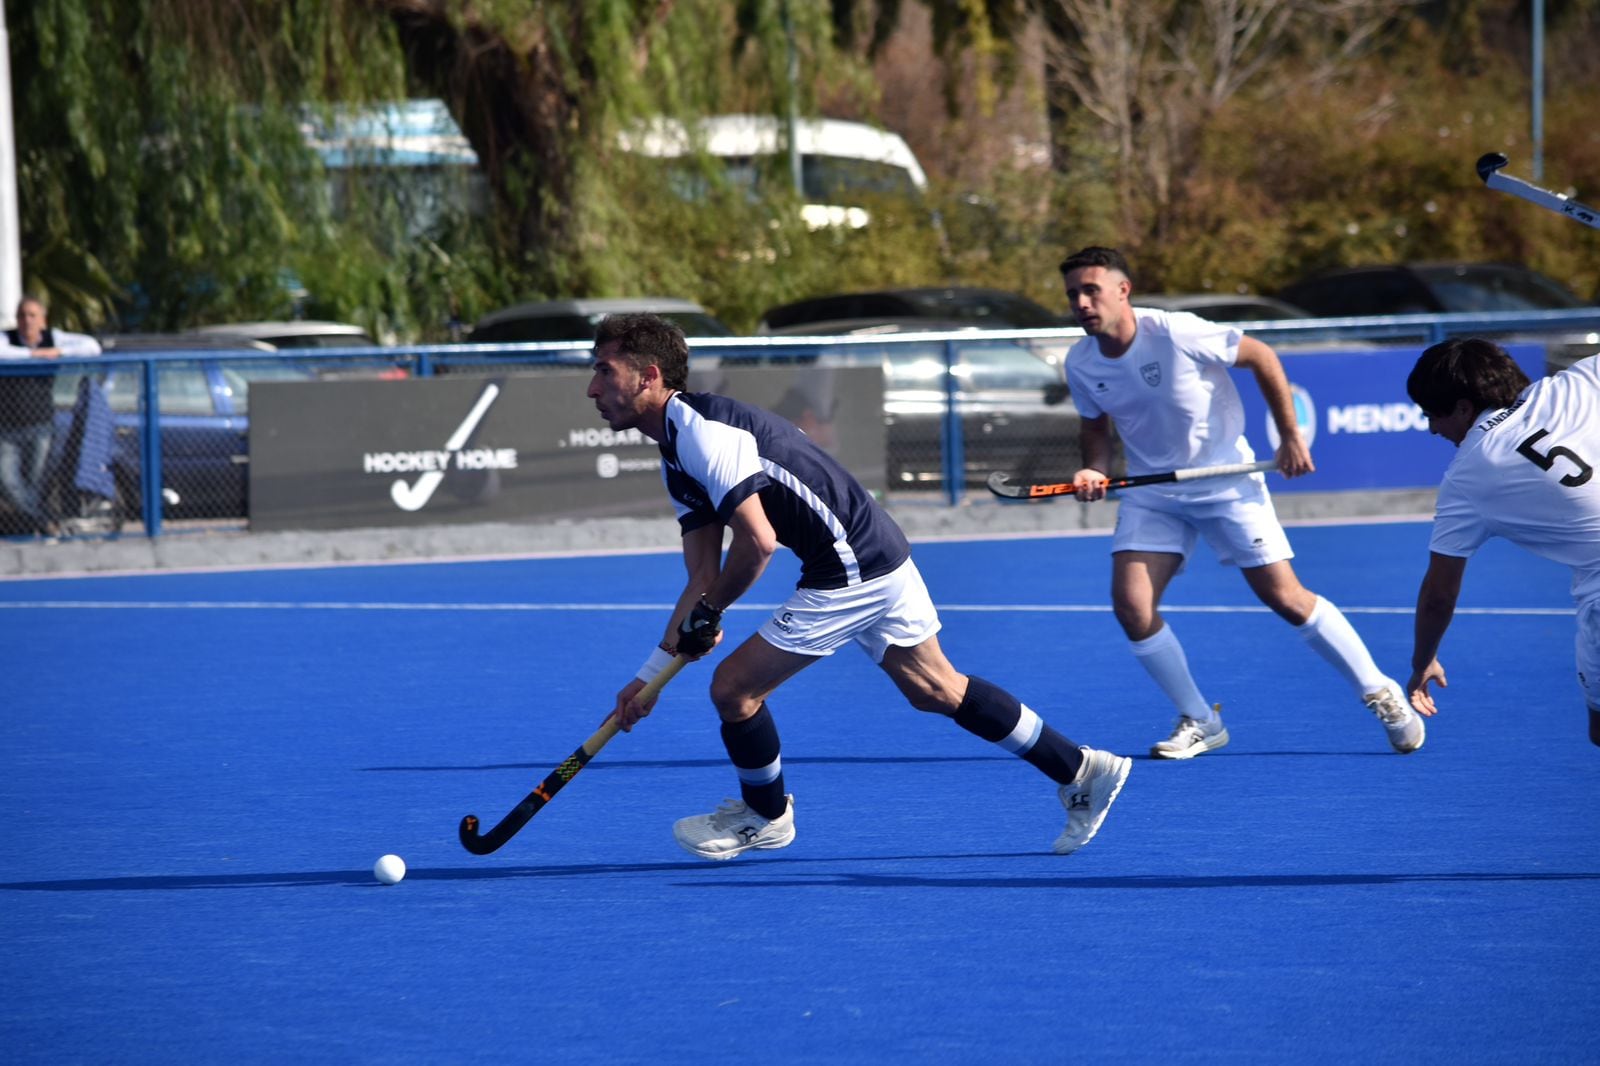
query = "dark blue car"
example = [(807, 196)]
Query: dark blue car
[(204, 405)]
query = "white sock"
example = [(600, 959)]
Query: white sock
[(1332, 636), (1163, 659)]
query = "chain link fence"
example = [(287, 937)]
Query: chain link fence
[(86, 418), (74, 451), (73, 446)]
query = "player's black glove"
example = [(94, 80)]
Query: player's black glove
[(697, 633)]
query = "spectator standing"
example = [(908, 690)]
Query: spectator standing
[(27, 411)]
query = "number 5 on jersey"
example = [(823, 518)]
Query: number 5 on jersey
[(1548, 459)]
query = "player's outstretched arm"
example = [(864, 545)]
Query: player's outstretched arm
[(1294, 455), (1436, 606)]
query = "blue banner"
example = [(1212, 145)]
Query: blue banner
[(1365, 433)]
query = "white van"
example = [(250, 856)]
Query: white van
[(840, 162)]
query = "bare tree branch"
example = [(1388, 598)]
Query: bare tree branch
[(1152, 73)]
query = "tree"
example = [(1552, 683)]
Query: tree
[(1141, 81), (197, 183), (164, 171)]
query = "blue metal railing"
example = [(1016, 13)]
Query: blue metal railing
[(1572, 329)]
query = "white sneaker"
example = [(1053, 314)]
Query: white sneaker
[(1190, 737), (1089, 797), (1404, 725), (734, 828)]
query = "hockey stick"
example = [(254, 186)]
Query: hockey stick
[(545, 791), (1002, 485), (1489, 170)]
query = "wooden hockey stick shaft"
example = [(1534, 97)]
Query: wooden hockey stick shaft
[(545, 791)]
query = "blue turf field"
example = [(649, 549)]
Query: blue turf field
[(199, 770)]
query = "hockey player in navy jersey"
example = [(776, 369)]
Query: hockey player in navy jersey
[(730, 465)]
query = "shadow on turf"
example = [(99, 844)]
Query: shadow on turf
[(672, 764), (833, 760), (363, 878), (1137, 881), (356, 878)]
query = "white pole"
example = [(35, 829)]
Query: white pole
[(10, 238)]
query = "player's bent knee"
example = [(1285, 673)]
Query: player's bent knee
[(732, 701), (1137, 623)]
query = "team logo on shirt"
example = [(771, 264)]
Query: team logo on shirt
[(1151, 372)]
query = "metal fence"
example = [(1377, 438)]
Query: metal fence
[(139, 444)]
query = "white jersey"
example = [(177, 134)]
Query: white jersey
[(1170, 397), (1527, 473)]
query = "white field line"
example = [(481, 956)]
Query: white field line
[(946, 608)]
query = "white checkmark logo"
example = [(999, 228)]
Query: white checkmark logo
[(413, 497)]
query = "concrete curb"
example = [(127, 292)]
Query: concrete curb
[(242, 549)]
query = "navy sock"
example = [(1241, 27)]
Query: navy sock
[(990, 712), (753, 747)]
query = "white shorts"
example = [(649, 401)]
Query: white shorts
[(1589, 651), (1244, 532), (894, 609)]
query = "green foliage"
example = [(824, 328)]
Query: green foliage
[(187, 181), (1377, 166), (164, 181)]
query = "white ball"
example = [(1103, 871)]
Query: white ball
[(389, 869)]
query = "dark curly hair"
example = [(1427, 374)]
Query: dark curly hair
[(645, 339), (1465, 368), (1096, 256)]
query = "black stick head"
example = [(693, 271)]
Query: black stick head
[(1488, 164), (467, 833)]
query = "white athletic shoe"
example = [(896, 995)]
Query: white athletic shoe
[(1089, 797), (1404, 725), (732, 829), (1190, 738)]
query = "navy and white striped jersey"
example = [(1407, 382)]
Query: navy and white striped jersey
[(717, 452)]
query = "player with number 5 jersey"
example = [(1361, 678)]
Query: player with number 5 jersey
[(1524, 469), (731, 466)]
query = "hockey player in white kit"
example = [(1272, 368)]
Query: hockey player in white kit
[(1161, 379), (1524, 469)]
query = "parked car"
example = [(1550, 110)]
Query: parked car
[(903, 310), (578, 320), (845, 167), (306, 333), (1222, 306), (1015, 413), (204, 405), (1433, 288), (1257, 311)]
